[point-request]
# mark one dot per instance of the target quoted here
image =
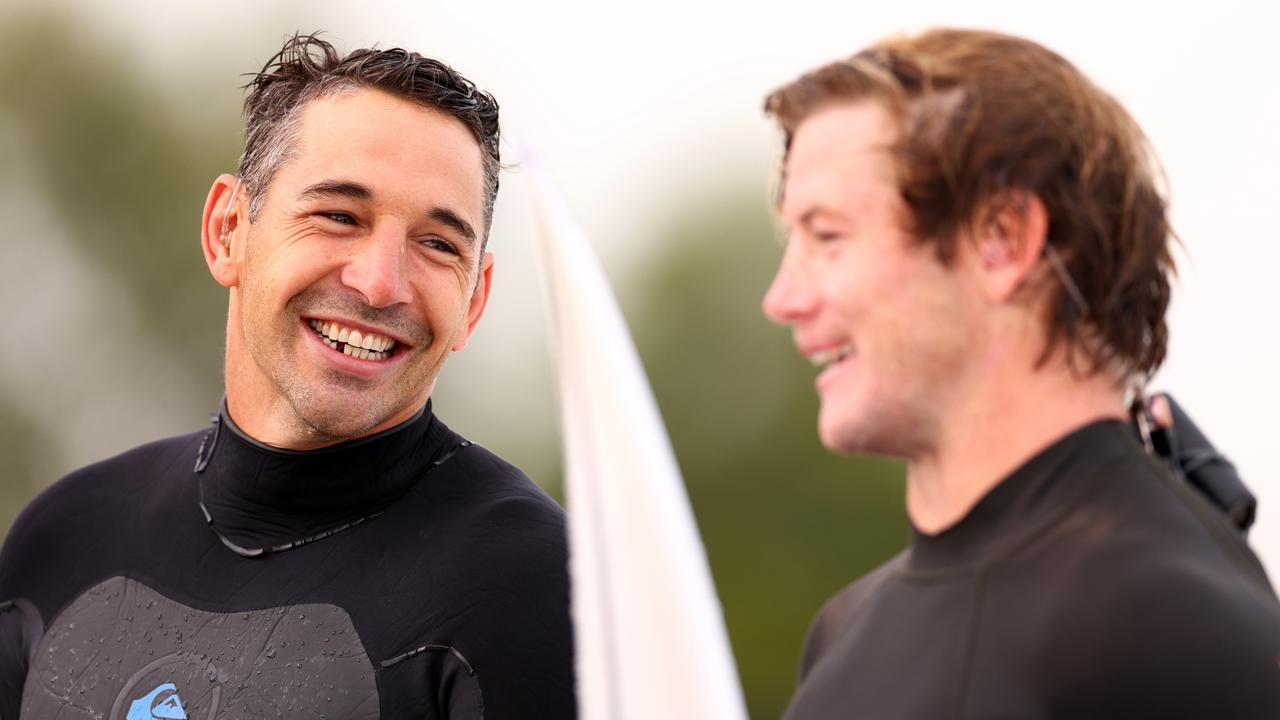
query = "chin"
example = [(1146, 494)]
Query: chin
[(335, 420), (850, 430), (841, 435)]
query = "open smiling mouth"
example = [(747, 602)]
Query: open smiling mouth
[(359, 345)]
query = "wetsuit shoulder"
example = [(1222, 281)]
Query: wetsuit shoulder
[(1169, 612), (839, 613), (491, 538), (89, 507), (91, 491)]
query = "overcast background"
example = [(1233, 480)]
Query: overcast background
[(114, 117)]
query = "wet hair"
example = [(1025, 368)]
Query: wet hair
[(308, 68), (982, 116)]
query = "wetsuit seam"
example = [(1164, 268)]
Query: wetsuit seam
[(971, 644)]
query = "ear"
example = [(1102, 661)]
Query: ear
[(1010, 242), (479, 299), (220, 228)]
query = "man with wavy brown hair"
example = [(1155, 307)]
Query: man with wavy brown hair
[(328, 547), (978, 258)]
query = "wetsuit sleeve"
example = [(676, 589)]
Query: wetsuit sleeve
[(19, 631), (20, 621)]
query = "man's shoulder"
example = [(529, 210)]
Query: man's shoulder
[(102, 482), (75, 516), (1185, 634), (841, 610), (497, 489), (1153, 589), (1142, 537), (1145, 525), (482, 510), (845, 604)]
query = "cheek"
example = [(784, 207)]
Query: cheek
[(290, 271), (442, 291), (858, 292)]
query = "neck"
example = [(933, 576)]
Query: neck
[(1004, 421)]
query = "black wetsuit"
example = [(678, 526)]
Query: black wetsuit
[(1087, 584), (433, 584)]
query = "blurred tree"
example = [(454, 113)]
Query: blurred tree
[(785, 523), (21, 444), (124, 173), (104, 144)]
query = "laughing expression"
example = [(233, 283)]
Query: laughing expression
[(360, 274), (888, 325)]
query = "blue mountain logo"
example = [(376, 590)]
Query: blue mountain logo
[(159, 704)]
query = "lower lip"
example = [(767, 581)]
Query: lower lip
[(832, 373), (349, 364)]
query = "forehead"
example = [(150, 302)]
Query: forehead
[(840, 156), (398, 148)]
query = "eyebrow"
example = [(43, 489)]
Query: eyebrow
[(356, 191), (344, 188), (813, 213), (445, 216)]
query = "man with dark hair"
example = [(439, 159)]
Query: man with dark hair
[(978, 258), (328, 548)]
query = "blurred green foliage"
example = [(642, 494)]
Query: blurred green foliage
[(20, 443), (126, 176), (785, 523)]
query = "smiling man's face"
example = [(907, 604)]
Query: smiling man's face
[(361, 272), (890, 325)]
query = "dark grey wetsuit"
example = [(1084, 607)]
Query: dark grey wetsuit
[(1087, 584), (431, 582)]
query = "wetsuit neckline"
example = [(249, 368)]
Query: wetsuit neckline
[(259, 496), (1025, 501)]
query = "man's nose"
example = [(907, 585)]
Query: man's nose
[(376, 268), (791, 296)]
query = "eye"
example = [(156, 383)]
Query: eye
[(341, 218), (825, 236), (434, 242)]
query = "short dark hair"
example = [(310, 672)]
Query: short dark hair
[(980, 114), (308, 68)]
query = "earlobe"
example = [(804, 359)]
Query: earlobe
[(479, 300), (219, 228)]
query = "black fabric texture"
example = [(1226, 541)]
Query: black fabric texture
[(444, 593), (1087, 584)]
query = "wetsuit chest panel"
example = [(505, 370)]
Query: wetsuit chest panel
[(885, 647), (123, 651)]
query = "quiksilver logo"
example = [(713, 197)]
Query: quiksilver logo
[(159, 704)]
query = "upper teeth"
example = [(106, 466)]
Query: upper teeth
[(831, 355), (353, 338)]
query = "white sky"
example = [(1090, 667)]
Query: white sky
[(635, 106)]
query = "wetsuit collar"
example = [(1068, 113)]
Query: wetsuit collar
[(1039, 492), (259, 495)]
